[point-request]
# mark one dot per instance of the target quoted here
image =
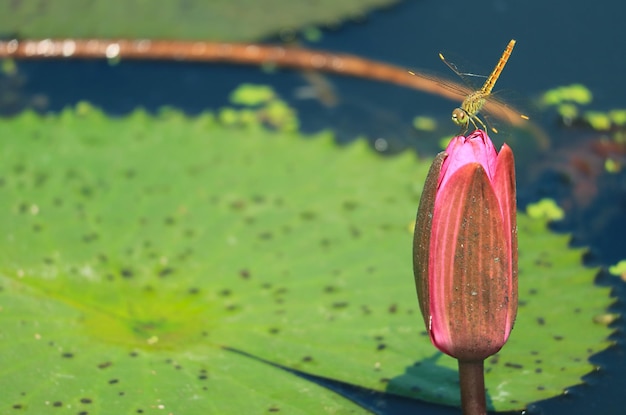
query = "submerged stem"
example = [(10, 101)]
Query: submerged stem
[(472, 379)]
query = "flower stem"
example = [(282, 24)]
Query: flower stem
[(472, 379)]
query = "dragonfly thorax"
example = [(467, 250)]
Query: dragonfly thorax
[(474, 102)]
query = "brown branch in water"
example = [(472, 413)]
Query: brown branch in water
[(251, 54)]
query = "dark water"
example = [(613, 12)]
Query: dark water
[(559, 43)]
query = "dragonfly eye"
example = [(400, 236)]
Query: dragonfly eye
[(460, 117)]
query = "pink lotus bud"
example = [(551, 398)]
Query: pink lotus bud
[(465, 248)]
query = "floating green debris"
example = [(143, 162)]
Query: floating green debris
[(423, 123), (619, 269), (8, 67), (575, 93), (618, 117), (612, 165), (567, 101), (312, 34), (599, 121), (252, 95), (546, 209), (568, 111)]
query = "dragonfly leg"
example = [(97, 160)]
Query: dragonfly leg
[(482, 124)]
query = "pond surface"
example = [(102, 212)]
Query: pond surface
[(556, 45)]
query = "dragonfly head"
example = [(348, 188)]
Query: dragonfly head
[(460, 117)]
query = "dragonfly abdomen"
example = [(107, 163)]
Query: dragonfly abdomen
[(495, 74)]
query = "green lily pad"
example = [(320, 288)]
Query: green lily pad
[(233, 20), (138, 255)]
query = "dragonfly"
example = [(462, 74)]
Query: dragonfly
[(475, 101)]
